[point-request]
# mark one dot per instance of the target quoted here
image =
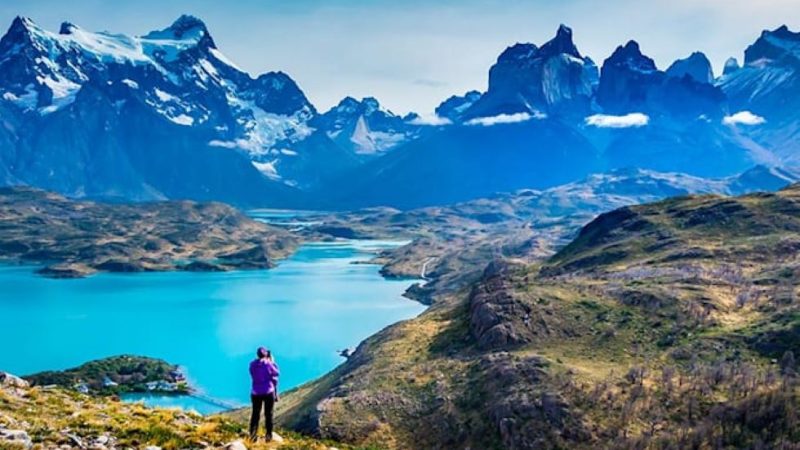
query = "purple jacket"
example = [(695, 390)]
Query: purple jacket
[(265, 377)]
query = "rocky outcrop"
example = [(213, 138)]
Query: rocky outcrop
[(503, 318), (527, 414), (498, 320), (14, 438), (8, 380)]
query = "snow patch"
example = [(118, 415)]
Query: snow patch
[(624, 121), (743, 118), (369, 142), (130, 83), (163, 96), (268, 168), (223, 59), (183, 119)]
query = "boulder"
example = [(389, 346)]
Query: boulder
[(236, 445), (15, 437), (8, 380)]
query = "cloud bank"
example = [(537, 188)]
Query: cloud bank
[(431, 121), (626, 121), (504, 118)]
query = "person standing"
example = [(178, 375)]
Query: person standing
[(264, 373)]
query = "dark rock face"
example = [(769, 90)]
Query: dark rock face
[(696, 66), (769, 46), (454, 107), (630, 82), (277, 93), (626, 79), (554, 79)]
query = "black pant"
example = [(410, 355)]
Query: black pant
[(268, 402)]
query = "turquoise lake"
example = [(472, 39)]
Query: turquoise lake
[(314, 303)]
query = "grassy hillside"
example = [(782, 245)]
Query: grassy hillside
[(57, 418), (669, 325)]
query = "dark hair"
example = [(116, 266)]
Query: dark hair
[(263, 352)]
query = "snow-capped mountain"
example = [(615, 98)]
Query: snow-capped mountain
[(364, 127), (152, 95)]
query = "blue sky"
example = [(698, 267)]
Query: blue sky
[(411, 54)]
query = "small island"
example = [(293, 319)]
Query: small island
[(117, 375)]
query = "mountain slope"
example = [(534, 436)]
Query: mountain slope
[(462, 162), (768, 85), (669, 325)]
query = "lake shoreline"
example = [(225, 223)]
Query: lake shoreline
[(327, 287)]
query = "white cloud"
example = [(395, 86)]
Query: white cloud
[(504, 118), (626, 121), (743, 118), (430, 120)]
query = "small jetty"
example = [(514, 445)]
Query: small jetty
[(226, 405)]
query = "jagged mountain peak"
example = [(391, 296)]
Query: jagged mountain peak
[(455, 106), (551, 79), (366, 106), (185, 28), (631, 56), (518, 51), (23, 30), (696, 66), (782, 32), (774, 45), (731, 65), (364, 127), (22, 23), (67, 28), (561, 44)]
